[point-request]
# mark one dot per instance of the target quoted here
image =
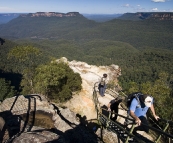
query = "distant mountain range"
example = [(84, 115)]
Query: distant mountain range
[(6, 17), (137, 29)]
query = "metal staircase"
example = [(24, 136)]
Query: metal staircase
[(125, 133)]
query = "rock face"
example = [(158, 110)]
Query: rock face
[(156, 15), (83, 101), (68, 127)]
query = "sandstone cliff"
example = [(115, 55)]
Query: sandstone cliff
[(83, 101), (162, 16), (51, 14)]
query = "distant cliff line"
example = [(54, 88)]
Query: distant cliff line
[(126, 16), (148, 15), (51, 14)]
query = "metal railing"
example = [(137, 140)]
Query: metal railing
[(107, 122)]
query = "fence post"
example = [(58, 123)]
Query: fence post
[(131, 130), (167, 125), (108, 121)]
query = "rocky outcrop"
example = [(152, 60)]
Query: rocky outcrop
[(82, 102), (33, 119), (67, 126)]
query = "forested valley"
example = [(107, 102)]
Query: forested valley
[(142, 49)]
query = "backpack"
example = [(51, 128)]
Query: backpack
[(102, 82), (131, 97)]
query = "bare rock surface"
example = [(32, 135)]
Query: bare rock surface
[(83, 102), (68, 126)]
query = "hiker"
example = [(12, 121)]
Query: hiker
[(102, 84), (137, 111), (113, 107)]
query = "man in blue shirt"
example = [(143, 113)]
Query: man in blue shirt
[(138, 111)]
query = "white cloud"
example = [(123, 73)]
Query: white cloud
[(139, 10), (138, 5), (155, 9), (126, 5), (5, 9), (159, 0)]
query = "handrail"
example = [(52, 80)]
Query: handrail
[(161, 132), (167, 121), (108, 119), (129, 133), (119, 115), (164, 120), (154, 129)]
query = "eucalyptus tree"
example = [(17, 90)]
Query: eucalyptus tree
[(57, 81), (163, 101), (26, 56), (6, 89)]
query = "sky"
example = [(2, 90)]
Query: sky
[(86, 6)]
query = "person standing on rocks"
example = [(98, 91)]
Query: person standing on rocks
[(102, 84)]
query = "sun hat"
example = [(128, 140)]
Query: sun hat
[(148, 101), (104, 75)]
